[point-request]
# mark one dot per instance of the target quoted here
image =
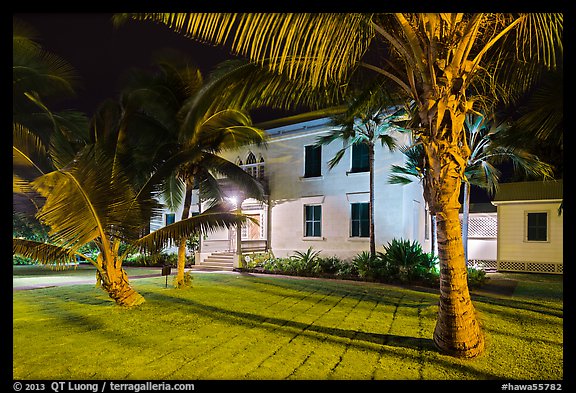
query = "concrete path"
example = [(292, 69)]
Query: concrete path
[(82, 276)]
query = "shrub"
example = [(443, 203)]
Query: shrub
[(347, 270), (304, 262), (328, 265), (406, 262), (369, 267), (476, 277)]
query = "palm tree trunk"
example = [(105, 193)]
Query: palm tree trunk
[(465, 218), (371, 204), (179, 282), (457, 331), (114, 280)]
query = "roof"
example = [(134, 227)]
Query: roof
[(271, 126), (529, 191), (480, 208)]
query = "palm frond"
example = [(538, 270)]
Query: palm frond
[(172, 192), (225, 129), (281, 37), (210, 220), (29, 155), (250, 187), (389, 141), (37, 70), (337, 158), (483, 175), (85, 201), (49, 254), (245, 85)]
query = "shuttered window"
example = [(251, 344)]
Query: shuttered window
[(360, 161), (312, 161)]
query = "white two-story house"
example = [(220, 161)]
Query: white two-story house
[(309, 205)]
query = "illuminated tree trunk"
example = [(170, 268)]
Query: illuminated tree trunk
[(457, 331), (180, 282), (114, 280)]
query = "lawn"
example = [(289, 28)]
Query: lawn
[(232, 326)]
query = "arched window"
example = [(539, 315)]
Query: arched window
[(239, 162), (251, 159), (261, 173)]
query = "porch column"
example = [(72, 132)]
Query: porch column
[(238, 261)]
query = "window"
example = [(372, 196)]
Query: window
[(312, 221), (312, 161), (251, 159), (360, 220), (537, 227), (360, 161), (170, 218)]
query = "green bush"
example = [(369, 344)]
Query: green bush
[(161, 259), (304, 262), (369, 267), (406, 262), (328, 265), (476, 277)]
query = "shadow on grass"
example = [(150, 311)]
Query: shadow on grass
[(361, 340)]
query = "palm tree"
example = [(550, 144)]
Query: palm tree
[(440, 61), (488, 150), (188, 121), (369, 118), (93, 200)]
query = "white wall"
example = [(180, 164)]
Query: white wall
[(399, 210)]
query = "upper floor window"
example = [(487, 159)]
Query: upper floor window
[(360, 161), (253, 166), (170, 218), (537, 227), (251, 159), (312, 161)]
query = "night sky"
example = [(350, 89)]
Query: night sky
[(101, 53)]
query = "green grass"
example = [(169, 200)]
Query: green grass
[(265, 327)]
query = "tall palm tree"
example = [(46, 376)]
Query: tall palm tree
[(188, 121), (488, 150), (369, 119), (440, 61)]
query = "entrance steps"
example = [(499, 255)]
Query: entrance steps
[(217, 261)]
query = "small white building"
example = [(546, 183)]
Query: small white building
[(308, 205), (530, 227), (482, 235)]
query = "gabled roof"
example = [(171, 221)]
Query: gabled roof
[(529, 191)]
